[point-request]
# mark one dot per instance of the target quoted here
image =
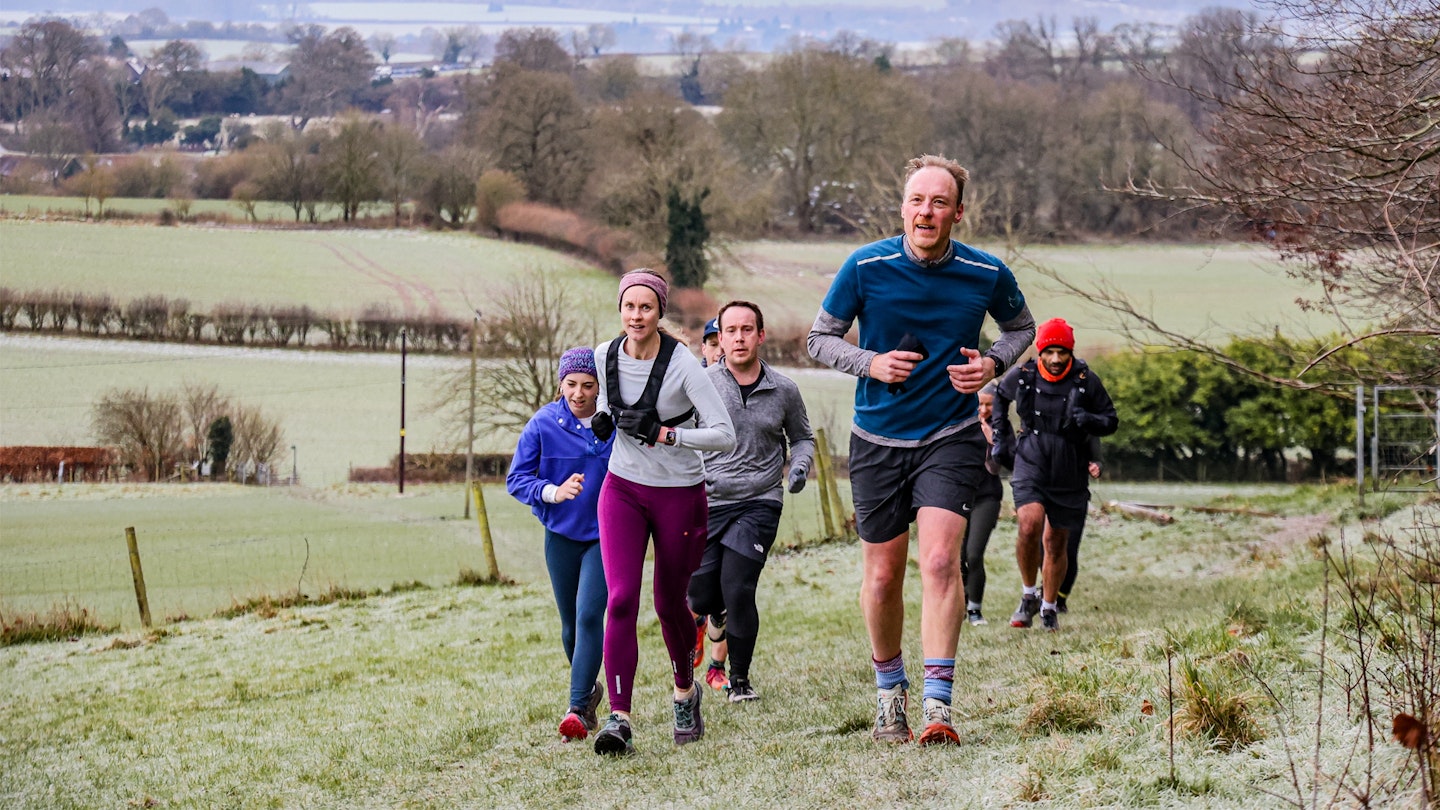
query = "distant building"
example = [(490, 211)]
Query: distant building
[(272, 72)]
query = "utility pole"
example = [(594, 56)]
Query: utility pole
[(402, 411), (294, 466), (470, 446)]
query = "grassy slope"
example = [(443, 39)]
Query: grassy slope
[(449, 697), (205, 546)]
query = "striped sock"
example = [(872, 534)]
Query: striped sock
[(939, 678), (889, 674)]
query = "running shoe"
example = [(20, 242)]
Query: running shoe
[(890, 722), (581, 720), (614, 738), (938, 728), (974, 617), (715, 677), (1025, 614), (588, 712), (741, 691), (1050, 620), (689, 726), (1060, 604)]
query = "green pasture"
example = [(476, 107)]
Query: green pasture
[(449, 697), (1215, 290), (342, 271), (205, 546), (1210, 290)]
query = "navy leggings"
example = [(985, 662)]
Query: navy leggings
[(578, 579)]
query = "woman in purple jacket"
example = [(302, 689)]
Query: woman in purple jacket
[(558, 467)]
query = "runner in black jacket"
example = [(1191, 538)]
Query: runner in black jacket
[(1061, 404)]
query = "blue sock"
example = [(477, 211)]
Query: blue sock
[(889, 674), (939, 678)]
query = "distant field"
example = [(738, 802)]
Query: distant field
[(342, 409), (410, 271), (36, 206), (1216, 289)]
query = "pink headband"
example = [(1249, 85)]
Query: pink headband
[(645, 278)]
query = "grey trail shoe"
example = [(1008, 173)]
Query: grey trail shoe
[(975, 617), (938, 728), (1050, 620), (689, 726), (891, 724), (742, 691), (1025, 614), (614, 738)]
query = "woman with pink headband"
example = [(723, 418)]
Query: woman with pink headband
[(664, 410)]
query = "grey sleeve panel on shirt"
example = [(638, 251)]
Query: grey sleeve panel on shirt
[(826, 343), (1016, 335), (797, 430), (715, 431)]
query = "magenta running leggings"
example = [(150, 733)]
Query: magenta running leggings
[(630, 514)]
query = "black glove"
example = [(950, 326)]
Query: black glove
[(1081, 418), (797, 479), (908, 343), (602, 425), (1004, 453), (643, 425)]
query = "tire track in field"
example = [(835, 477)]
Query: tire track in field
[(425, 291), (373, 270)]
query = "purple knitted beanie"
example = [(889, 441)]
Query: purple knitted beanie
[(580, 359)]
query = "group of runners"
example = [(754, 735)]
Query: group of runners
[(648, 447)]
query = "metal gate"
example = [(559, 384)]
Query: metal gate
[(1403, 438)]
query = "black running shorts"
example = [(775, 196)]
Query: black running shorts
[(890, 484)]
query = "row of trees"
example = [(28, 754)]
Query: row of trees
[(808, 138), (156, 317), (176, 434)]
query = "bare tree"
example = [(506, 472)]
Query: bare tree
[(534, 321), (258, 440), (1329, 150), (165, 71), (536, 129), (327, 70), (350, 165), (145, 428), (201, 405), (795, 120), (401, 166)]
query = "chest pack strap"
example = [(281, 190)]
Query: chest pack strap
[(1025, 396), (651, 395)]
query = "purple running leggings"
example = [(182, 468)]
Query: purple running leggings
[(630, 514)]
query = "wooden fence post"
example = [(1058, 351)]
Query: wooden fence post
[(486, 541), (831, 490), (821, 476), (138, 575)]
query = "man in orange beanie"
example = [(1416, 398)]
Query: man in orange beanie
[(1061, 404)]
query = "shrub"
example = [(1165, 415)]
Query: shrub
[(494, 190)]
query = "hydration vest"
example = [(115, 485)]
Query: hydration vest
[(651, 395), (1025, 378)]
